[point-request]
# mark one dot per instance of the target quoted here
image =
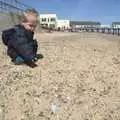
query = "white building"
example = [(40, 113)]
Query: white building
[(63, 24), (48, 20), (84, 24), (105, 26), (116, 24)]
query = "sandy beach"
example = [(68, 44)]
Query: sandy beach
[(78, 79)]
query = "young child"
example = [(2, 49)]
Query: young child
[(22, 48)]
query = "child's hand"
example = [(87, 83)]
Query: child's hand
[(35, 59)]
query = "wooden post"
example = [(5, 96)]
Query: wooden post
[(118, 31), (113, 31)]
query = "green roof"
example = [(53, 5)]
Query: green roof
[(84, 23), (116, 23)]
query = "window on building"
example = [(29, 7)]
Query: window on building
[(52, 25), (52, 19), (43, 19)]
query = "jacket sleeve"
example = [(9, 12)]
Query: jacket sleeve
[(22, 45)]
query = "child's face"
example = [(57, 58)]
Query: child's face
[(30, 23)]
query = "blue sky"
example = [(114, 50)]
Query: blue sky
[(105, 11)]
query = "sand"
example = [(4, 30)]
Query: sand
[(78, 79)]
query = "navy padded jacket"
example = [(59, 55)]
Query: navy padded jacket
[(23, 43)]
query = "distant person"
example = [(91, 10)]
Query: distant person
[(22, 48)]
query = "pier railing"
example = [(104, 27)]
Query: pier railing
[(114, 31), (12, 6)]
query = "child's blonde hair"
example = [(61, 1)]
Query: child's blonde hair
[(28, 12)]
